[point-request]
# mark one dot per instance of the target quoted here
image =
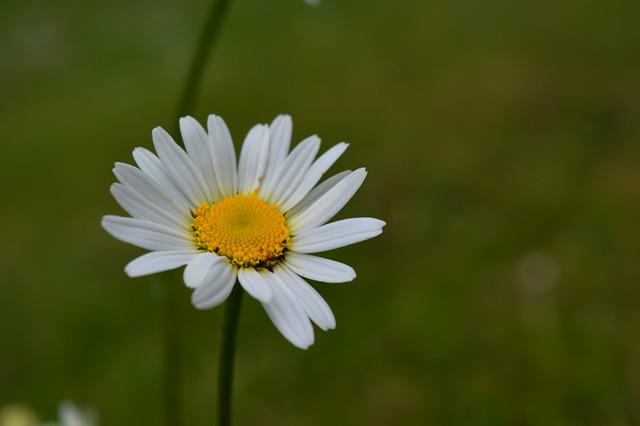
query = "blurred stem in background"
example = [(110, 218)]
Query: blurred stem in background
[(172, 363), (205, 45)]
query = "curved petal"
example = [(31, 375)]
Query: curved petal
[(197, 270), (325, 207), (318, 268), (253, 159), (140, 207), (292, 170), (287, 314), (216, 286), (152, 190), (182, 169), (313, 304), (316, 193), (145, 234), (158, 261), (313, 175), (279, 142), (255, 284), (224, 156), (152, 166), (336, 234), (196, 141)]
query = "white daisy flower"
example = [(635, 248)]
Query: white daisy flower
[(258, 222), (69, 414)]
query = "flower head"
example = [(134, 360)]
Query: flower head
[(256, 222), (71, 415)]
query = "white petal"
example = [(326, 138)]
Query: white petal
[(281, 128), (152, 166), (224, 156), (196, 141), (253, 159), (325, 207), (336, 234), (183, 170), (293, 170), (316, 193), (279, 142), (216, 286), (199, 267), (255, 284), (313, 304), (159, 261), (319, 268), (138, 206), (288, 315), (313, 175), (151, 190), (145, 234)]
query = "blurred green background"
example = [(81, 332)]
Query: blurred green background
[(502, 141)]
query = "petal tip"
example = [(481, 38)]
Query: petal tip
[(213, 119), (199, 305), (130, 272), (304, 345)]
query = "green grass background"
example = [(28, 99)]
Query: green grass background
[(502, 141)]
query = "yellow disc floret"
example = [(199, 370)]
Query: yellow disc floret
[(244, 228)]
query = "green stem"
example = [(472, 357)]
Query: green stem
[(207, 40), (228, 344)]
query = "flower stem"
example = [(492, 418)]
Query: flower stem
[(205, 45), (225, 373)]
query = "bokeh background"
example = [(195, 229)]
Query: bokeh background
[(502, 141)]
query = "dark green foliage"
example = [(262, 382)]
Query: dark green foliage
[(502, 140)]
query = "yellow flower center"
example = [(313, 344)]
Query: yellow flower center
[(245, 229)]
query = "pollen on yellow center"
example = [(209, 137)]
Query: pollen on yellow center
[(244, 228)]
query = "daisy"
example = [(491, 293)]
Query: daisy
[(69, 414), (257, 222)]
